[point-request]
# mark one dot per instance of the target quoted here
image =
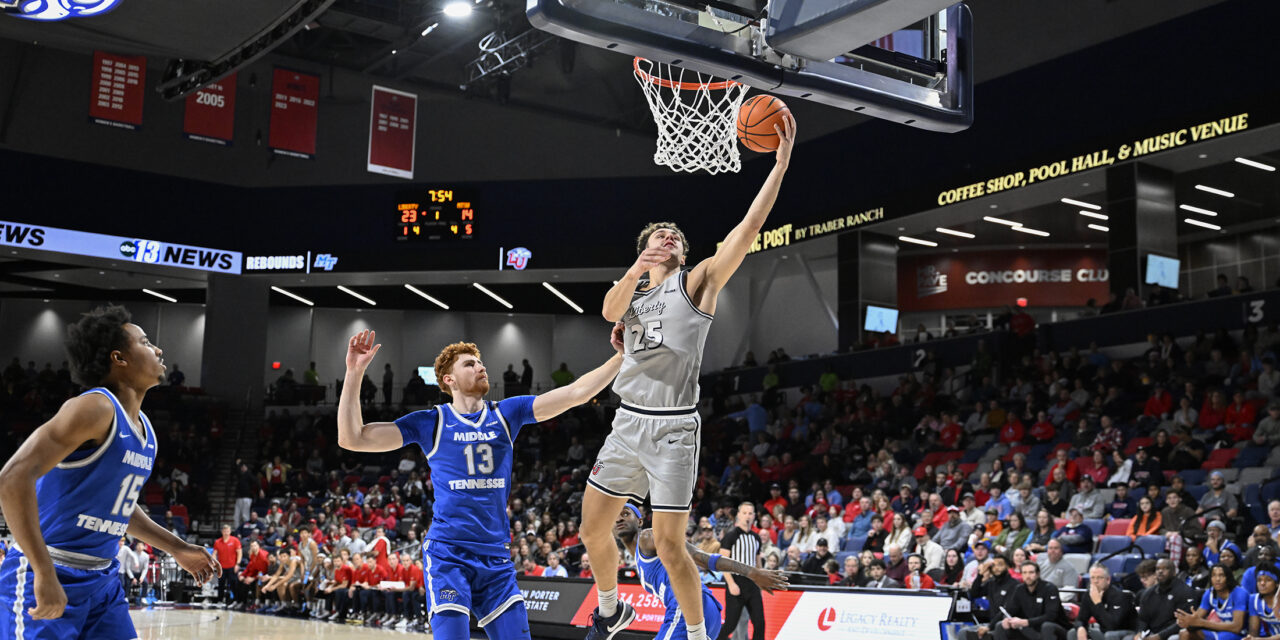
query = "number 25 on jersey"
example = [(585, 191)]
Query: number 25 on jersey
[(646, 337)]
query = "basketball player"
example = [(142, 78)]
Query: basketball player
[(70, 490), (468, 443), (653, 448), (654, 579)]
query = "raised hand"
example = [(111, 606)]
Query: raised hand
[(361, 350), (648, 259), (786, 138), (769, 580)]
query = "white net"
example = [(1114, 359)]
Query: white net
[(695, 114)]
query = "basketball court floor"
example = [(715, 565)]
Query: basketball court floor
[(189, 624)]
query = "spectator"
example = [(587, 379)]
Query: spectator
[(1159, 404), (1088, 500), (917, 577), (931, 551), (1266, 558), (1227, 602), (1218, 502), (1148, 522), (1071, 470), (526, 376), (1110, 609), (1216, 542), (1145, 469), (1268, 432), (955, 533), (1035, 610), (981, 554), (896, 564), (1122, 505), (1268, 378), (851, 576), (562, 376), (310, 376), (1028, 504), (1273, 517), (1055, 569), (1014, 535), (554, 568), (818, 559), (996, 585), (879, 578), (952, 569), (1179, 519), (1041, 533), (176, 377), (1223, 288), (1075, 536), (1193, 570), (1157, 605)]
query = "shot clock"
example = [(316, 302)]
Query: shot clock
[(435, 214)]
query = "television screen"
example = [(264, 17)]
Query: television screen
[(428, 375), (1162, 271), (881, 319)]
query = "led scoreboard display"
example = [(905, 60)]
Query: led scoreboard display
[(435, 214)]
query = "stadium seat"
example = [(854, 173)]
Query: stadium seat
[(1269, 491), (1117, 527), (1114, 564), (1253, 502), (842, 555), (1059, 523), (1251, 457), (1151, 545), (1072, 609), (1194, 476), (1132, 446), (1112, 544), (1022, 448), (968, 467), (973, 455), (1254, 475), (1231, 474), (179, 510), (1108, 494), (1078, 561), (1197, 491), (1095, 525), (1220, 458), (855, 543), (1273, 460), (1131, 563), (1040, 452)]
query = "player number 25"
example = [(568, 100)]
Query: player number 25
[(127, 499), (485, 452), (647, 337)]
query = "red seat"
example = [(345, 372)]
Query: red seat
[(1059, 523), (1133, 445), (1022, 448), (1220, 458), (1117, 527), (179, 510)]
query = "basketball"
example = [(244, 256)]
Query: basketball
[(756, 120)]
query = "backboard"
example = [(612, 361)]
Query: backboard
[(920, 75)]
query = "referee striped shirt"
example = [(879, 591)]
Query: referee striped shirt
[(743, 546)]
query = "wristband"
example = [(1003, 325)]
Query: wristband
[(712, 560)]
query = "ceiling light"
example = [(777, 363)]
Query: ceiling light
[(293, 295), (1077, 203), (953, 232), (160, 295), (1255, 164), (424, 295), (492, 294), (1206, 212), (458, 9), (1216, 192), (1201, 223), (917, 241), (428, 30), (1001, 221), (1034, 232), (562, 296), (1090, 214), (356, 295), (1098, 227)]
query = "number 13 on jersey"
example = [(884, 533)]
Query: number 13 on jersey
[(648, 336)]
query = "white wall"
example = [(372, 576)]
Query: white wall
[(32, 329)]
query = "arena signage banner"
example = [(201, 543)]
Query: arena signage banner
[(211, 113), (295, 100), (1047, 278), (392, 121), (97, 245), (798, 614), (117, 93)]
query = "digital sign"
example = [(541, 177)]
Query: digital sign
[(435, 214), (97, 245)]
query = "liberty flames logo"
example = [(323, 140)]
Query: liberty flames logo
[(826, 618), (518, 258), (596, 469)]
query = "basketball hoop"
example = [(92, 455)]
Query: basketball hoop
[(695, 115)]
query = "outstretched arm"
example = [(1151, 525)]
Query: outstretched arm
[(557, 401), (768, 580), (716, 270), (198, 562), (353, 433)]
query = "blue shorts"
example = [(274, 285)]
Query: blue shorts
[(96, 604), (673, 626), (459, 579)]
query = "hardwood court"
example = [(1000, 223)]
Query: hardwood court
[(188, 624)]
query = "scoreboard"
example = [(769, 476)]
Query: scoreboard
[(435, 214)]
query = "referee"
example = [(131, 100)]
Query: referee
[(743, 546)]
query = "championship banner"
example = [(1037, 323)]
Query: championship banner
[(392, 121), (211, 113), (1046, 278), (118, 90), (294, 97)]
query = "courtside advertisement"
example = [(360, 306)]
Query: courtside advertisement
[(789, 615)]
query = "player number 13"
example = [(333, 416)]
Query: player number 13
[(646, 337), (485, 453)]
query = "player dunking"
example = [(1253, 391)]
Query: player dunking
[(653, 448), (469, 446), (654, 578), (70, 490)]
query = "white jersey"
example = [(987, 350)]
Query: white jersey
[(664, 338)]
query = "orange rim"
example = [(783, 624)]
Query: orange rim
[(681, 86)]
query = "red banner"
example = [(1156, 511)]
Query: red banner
[(650, 610), (392, 118), (211, 113), (118, 90), (294, 113), (1046, 278)]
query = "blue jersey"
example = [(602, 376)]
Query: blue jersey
[(86, 500), (1266, 614), (1227, 608), (470, 458), (654, 579)]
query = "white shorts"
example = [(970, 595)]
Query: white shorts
[(650, 451)]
